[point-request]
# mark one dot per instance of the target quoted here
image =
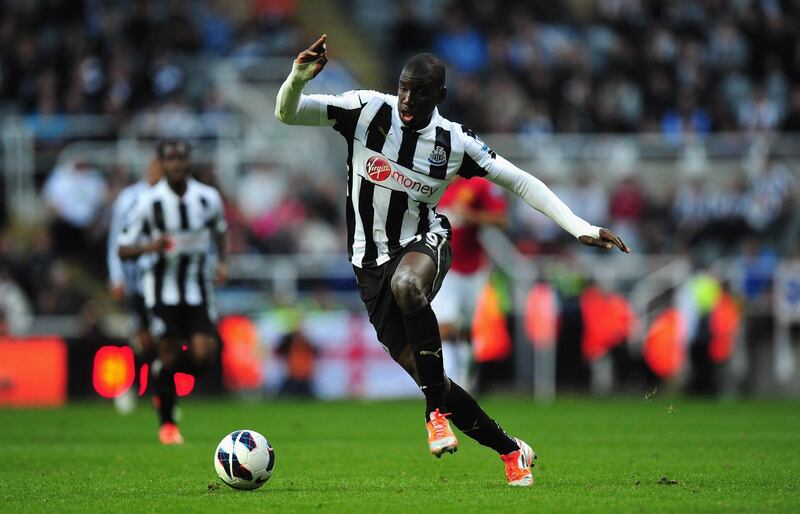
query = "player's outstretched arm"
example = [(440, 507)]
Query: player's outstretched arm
[(540, 197), (290, 106)]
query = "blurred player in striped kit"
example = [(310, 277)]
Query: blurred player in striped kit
[(124, 280), (173, 226)]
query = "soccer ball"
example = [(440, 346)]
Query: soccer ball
[(244, 459)]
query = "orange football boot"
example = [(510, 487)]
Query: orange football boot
[(168, 433), (519, 464), (440, 436)]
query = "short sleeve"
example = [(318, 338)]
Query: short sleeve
[(135, 225), (341, 111), (478, 157)]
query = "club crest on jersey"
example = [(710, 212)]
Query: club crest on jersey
[(378, 168), (438, 156)]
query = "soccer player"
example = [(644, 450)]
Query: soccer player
[(173, 225), (468, 205), (125, 277), (401, 156)]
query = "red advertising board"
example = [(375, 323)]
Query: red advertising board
[(33, 372)]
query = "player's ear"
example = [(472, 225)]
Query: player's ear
[(442, 95)]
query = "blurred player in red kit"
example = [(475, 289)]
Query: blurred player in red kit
[(469, 205)]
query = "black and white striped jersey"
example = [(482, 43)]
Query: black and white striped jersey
[(180, 274), (396, 175), (126, 273)]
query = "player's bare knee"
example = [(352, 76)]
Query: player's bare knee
[(167, 354), (408, 291), (203, 348)]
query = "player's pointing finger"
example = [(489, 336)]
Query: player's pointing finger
[(319, 45)]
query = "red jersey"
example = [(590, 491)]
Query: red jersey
[(475, 194)]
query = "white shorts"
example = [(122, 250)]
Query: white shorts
[(456, 301)]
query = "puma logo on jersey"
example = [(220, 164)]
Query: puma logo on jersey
[(437, 353)]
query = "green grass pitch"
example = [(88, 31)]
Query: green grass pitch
[(618, 455)]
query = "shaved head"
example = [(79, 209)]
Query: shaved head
[(425, 67), (420, 89)]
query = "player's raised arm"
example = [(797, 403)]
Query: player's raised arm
[(292, 106), (480, 160)]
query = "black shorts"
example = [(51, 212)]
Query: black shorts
[(374, 285), (180, 322)]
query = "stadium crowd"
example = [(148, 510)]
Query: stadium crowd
[(79, 57), (688, 67)]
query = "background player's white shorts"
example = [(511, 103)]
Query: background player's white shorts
[(456, 301)]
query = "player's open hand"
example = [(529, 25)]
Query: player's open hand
[(316, 53), (606, 240)]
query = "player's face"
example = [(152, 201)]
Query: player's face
[(175, 163), (417, 96)]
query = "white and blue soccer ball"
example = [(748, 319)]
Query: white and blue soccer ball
[(244, 459)]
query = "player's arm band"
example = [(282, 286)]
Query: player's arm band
[(292, 106), (540, 197)]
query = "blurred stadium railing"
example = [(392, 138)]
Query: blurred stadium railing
[(650, 282)]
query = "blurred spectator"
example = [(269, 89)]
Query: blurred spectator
[(727, 207), (59, 293), (792, 121), (627, 208), (505, 100), (15, 310), (216, 29), (757, 265), (460, 43), (587, 198), (759, 113), (74, 192), (408, 22), (691, 209), (91, 333), (181, 33), (772, 194), (39, 260), (688, 119), (299, 354)]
